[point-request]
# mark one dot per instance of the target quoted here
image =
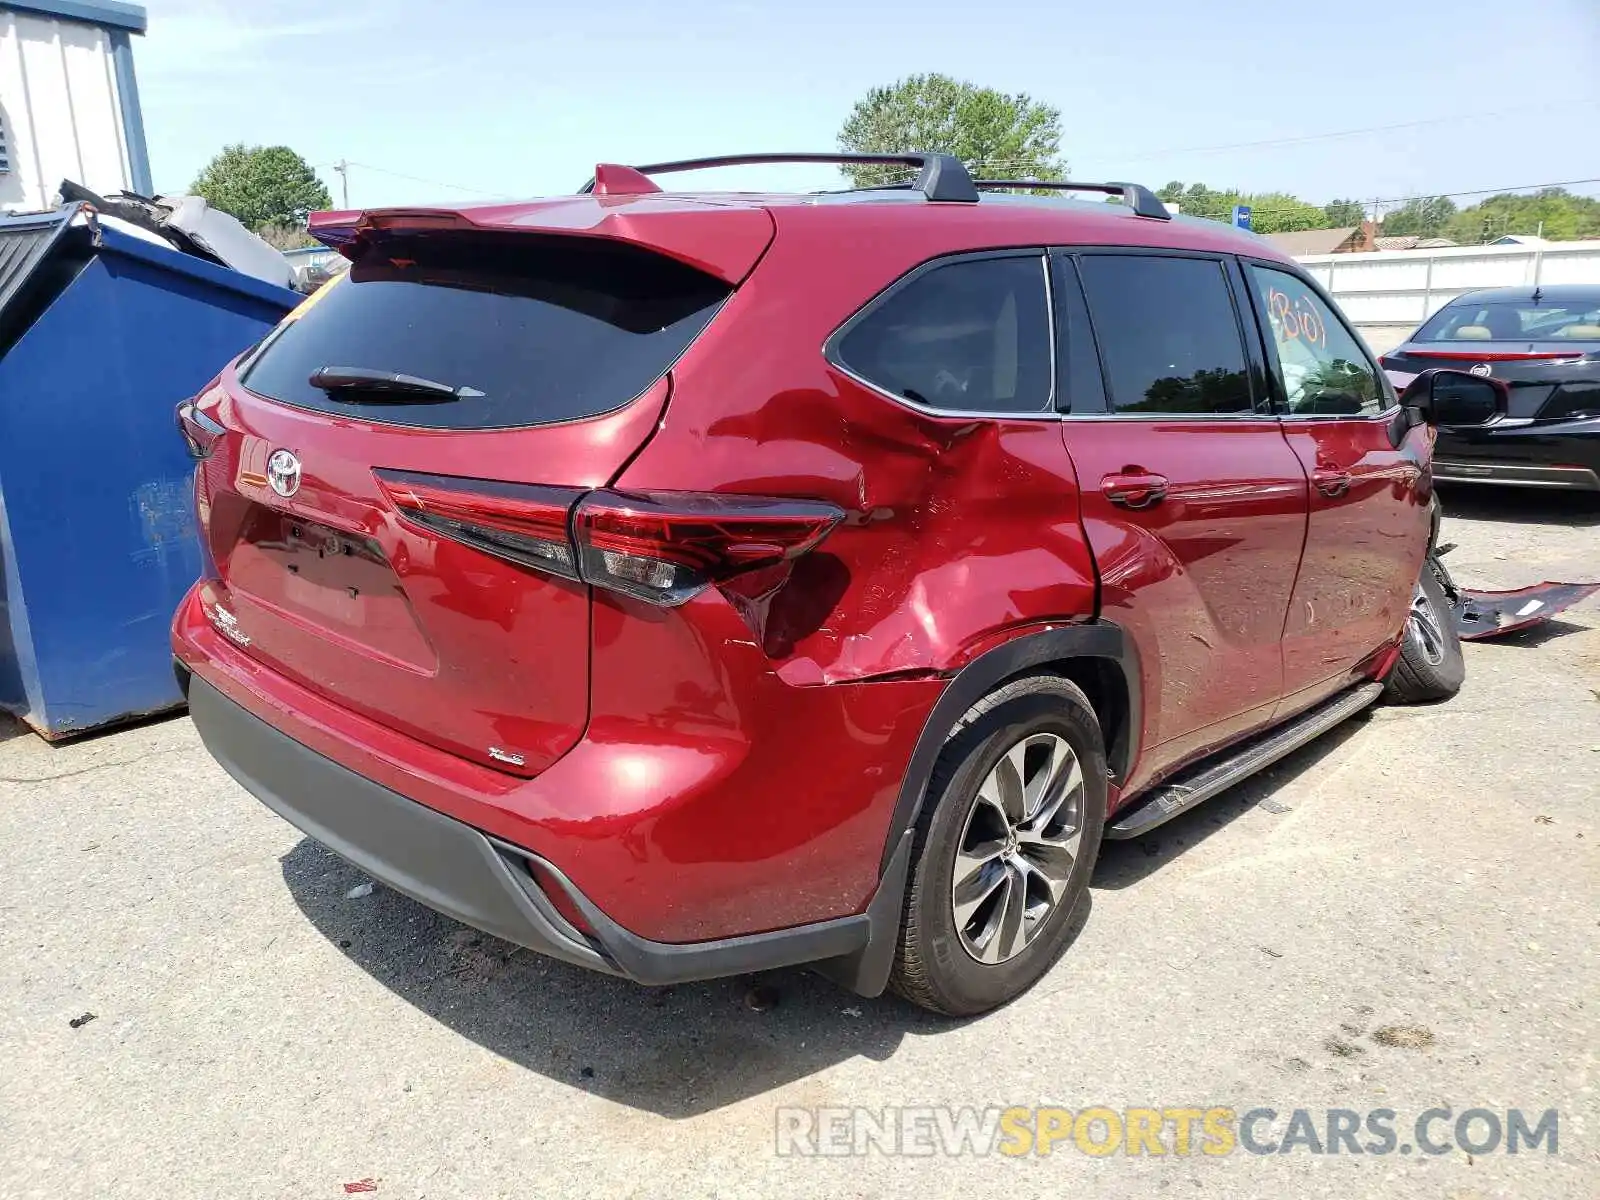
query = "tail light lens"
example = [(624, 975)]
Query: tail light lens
[(1477, 356), (519, 522), (665, 547), (660, 547)]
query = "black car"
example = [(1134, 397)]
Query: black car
[(1545, 343)]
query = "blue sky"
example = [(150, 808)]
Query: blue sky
[(520, 99)]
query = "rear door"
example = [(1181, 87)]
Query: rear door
[(1368, 526), (1192, 501), (536, 367)]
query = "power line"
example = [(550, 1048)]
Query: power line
[(1362, 132), (431, 182), (1381, 201), (1521, 187)]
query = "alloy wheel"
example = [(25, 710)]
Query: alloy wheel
[(1018, 847), (1423, 626)]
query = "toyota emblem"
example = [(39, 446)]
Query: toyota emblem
[(283, 473), (1482, 369)]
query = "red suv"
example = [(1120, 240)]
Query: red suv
[(686, 584)]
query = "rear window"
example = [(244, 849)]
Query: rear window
[(1513, 321), (547, 329)]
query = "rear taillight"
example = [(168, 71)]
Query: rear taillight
[(1498, 355), (200, 431), (666, 546), (515, 521), (661, 547)]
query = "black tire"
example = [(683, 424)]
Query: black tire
[(1429, 668), (933, 965)]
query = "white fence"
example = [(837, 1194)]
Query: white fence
[(1387, 294)]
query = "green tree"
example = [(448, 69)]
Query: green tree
[(1339, 213), (1427, 216), (1015, 137), (1270, 212), (1553, 212), (286, 237), (262, 185), (1279, 212)]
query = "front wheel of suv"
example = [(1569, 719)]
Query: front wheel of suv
[(1430, 666), (1004, 847)]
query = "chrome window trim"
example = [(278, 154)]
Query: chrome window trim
[(1387, 414), (963, 414), (1185, 417)]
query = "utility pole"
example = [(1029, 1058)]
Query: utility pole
[(343, 168)]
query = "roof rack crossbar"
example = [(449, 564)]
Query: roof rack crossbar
[(1136, 196), (939, 176)]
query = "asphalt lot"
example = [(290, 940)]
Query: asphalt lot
[(259, 1032)]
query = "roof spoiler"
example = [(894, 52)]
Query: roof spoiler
[(1136, 196)]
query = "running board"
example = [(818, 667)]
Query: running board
[(1218, 774)]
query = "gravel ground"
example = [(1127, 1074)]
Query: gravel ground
[(1400, 916)]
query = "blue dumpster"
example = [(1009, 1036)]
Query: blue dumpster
[(101, 334)]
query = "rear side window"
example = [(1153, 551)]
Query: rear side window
[(1168, 334), (546, 329), (971, 335)]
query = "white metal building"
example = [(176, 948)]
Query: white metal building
[(69, 103)]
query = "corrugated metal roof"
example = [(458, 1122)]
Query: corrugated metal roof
[(24, 243)]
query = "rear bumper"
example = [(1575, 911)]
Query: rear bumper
[(1548, 454), (681, 828), (487, 883)]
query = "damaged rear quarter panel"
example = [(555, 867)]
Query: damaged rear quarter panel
[(955, 528)]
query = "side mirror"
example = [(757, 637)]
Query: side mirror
[(1455, 398)]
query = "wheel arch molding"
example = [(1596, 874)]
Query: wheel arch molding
[(1100, 650)]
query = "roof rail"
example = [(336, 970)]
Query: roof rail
[(939, 176), (1136, 196)]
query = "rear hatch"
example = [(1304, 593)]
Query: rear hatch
[(521, 368)]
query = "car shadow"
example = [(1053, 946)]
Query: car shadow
[(1532, 506), (675, 1051), (690, 1049), (1125, 864)]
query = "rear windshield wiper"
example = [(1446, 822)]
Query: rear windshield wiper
[(386, 387)]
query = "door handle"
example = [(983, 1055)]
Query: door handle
[(1331, 482), (1134, 488)]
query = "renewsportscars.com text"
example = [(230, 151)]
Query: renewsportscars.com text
[(1101, 1131)]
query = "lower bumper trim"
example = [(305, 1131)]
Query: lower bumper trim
[(1516, 474), (485, 882)]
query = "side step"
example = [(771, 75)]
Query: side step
[(1219, 773)]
